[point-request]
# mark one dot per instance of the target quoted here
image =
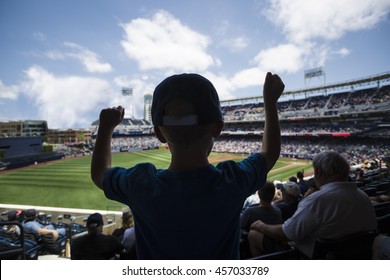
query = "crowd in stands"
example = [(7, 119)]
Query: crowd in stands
[(327, 104), (134, 143), (356, 150)]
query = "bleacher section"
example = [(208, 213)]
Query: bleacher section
[(31, 246)]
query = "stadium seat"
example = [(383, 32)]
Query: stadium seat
[(33, 237), (10, 251), (383, 188), (53, 246), (382, 209), (11, 236), (371, 191), (16, 246), (357, 246), (286, 254)]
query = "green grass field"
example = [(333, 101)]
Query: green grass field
[(67, 183)]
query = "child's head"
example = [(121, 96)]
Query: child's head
[(185, 110)]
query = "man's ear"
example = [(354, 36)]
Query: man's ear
[(217, 128), (317, 172), (159, 135)]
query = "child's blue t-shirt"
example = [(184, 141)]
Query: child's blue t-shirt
[(190, 214)]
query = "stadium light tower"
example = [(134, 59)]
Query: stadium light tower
[(126, 91), (313, 73)]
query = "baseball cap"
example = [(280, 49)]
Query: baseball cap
[(195, 88), (291, 188), (30, 213), (95, 220), (12, 215)]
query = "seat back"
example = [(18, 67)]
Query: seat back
[(32, 236), (11, 235), (356, 246), (382, 209), (53, 246), (12, 244), (287, 254)]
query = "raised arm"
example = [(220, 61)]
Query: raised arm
[(272, 90), (101, 157)]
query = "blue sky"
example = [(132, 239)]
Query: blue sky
[(63, 61)]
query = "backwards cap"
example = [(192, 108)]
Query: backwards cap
[(292, 188), (30, 213), (199, 91), (95, 220)]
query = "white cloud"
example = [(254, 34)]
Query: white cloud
[(304, 20), (222, 84), (55, 55), (89, 59), (8, 92), (343, 52), (282, 58), (309, 27), (236, 44), (65, 102), (163, 42), (249, 77)]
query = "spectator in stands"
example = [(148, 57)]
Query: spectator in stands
[(311, 187), (338, 209), (250, 200), (128, 243), (127, 222), (192, 209), (293, 179), (360, 176), (31, 225), (290, 199), (302, 183), (265, 212), (13, 215), (95, 245)]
